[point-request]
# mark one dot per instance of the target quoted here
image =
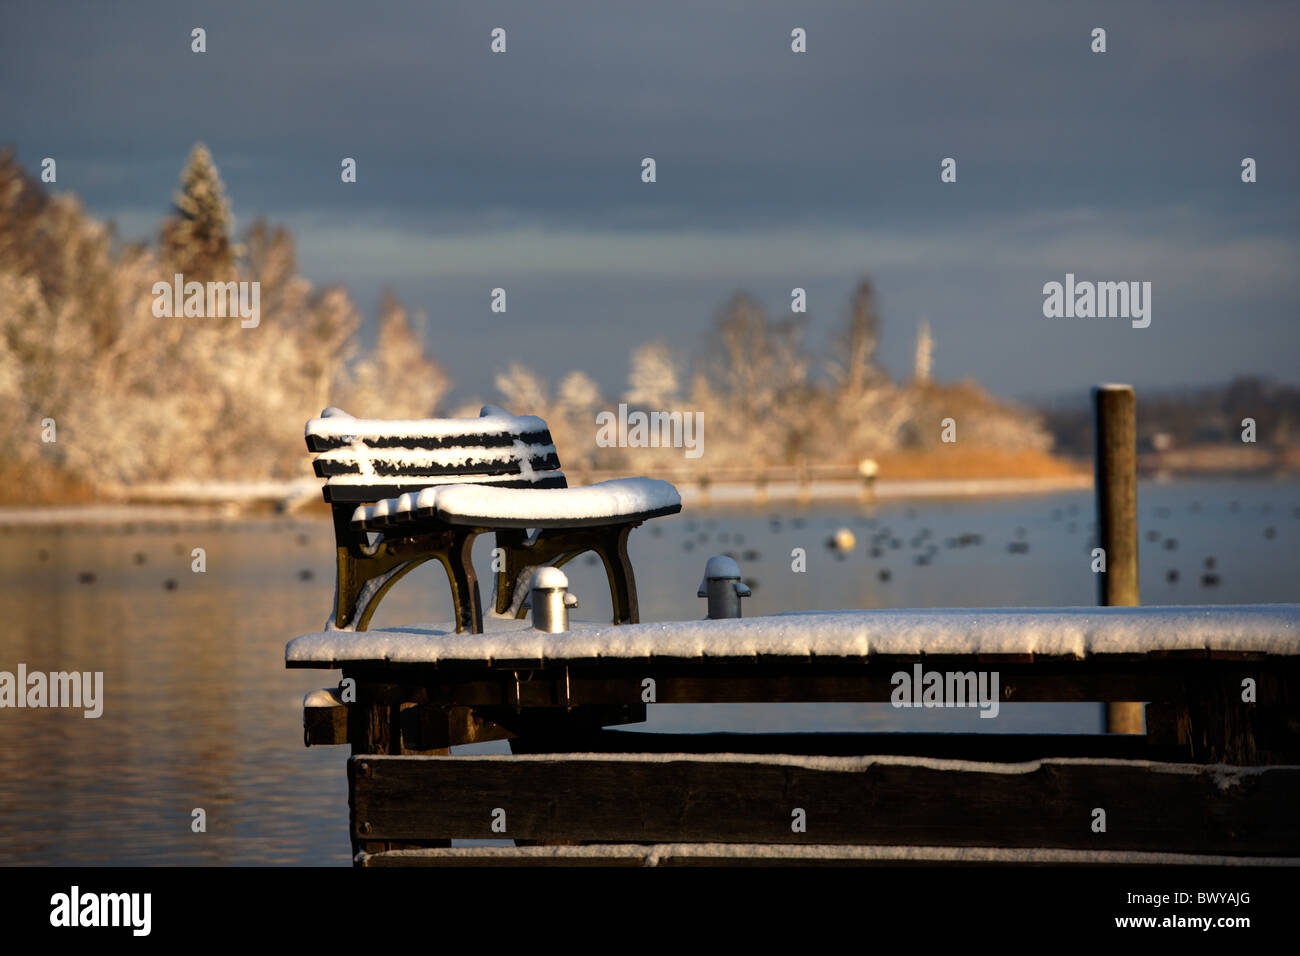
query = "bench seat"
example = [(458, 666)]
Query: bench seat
[(621, 499)]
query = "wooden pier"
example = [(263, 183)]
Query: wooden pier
[(1215, 778)]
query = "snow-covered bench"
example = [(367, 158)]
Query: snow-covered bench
[(405, 492)]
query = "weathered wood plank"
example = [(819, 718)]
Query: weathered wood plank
[(614, 682), (742, 854), (987, 747), (1212, 721), (873, 800), (324, 718)]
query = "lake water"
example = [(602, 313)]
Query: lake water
[(199, 710)]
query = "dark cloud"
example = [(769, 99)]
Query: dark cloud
[(1068, 161)]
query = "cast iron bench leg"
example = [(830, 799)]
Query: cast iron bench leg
[(457, 559), (618, 568), (558, 548), (358, 595), (353, 605), (515, 556)]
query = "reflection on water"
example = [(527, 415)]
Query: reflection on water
[(200, 712)]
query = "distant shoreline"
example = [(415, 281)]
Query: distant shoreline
[(896, 490), (227, 502)]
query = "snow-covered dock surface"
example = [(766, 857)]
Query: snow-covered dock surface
[(667, 854), (1051, 632)]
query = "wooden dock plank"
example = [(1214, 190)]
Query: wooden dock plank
[(874, 800), (985, 747), (744, 854), (704, 680)]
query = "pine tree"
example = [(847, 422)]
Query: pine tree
[(196, 240)]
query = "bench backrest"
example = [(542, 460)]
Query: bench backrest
[(367, 459)]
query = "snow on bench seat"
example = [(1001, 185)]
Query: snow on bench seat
[(466, 504), (1055, 632)]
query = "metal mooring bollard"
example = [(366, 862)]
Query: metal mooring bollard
[(723, 587), (551, 600)]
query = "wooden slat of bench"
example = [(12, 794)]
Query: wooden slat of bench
[(483, 521), (414, 520), (866, 801), (357, 492), (378, 468), (320, 443), (750, 854)]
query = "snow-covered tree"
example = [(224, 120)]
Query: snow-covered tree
[(573, 427), (852, 364), (196, 239), (755, 392), (397, 380), (523, 391), (864, 410), (653, 380), (578, 393)]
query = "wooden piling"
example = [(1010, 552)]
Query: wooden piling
[(1115, 456)]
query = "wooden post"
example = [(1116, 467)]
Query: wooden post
[(1115, 455)]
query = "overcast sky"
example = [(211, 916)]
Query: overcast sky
[(775, 169)]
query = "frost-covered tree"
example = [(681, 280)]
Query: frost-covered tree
[(863, 410), (578, 394), (397, 380), (523, 391), (140, 398), (754, 390), (196, 238), (653, 380), (852, 364), (577, 400), (570, 413)]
